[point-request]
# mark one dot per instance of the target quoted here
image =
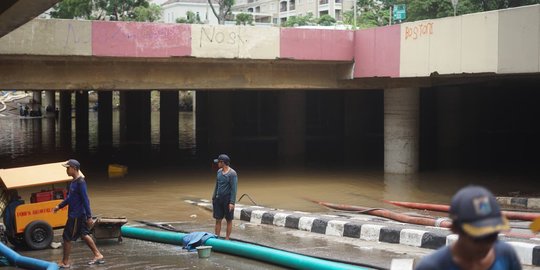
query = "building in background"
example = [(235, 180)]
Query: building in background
[(279, 10), (174, 9)]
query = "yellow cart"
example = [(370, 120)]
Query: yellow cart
[(31, 224)]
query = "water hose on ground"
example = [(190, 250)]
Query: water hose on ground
[(25, 262), (260, 253), (245, 194), (445, 223), (444, 208)]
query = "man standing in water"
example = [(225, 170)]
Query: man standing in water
[(477, 219), (79, 215), (224, 196)]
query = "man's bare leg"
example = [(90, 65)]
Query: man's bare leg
[(90, 242), (67, 251), (217, 229), (229, 229)]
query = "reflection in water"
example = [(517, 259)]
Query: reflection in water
[(156, 191)]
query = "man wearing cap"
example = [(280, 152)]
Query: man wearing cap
[(79, 215), (477, 219), (224, 196)]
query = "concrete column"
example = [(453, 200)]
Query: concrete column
[(201, 124), (81, 120), (292, 127), (220, 123), (449, 112), (50, 103), (400, 187), (65, 119), (36, 102), (105, 126), (168, 118), (135, 119), (401, 130)]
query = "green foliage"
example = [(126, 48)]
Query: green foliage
[(116, 10), (151, 13), (326, 20), (299, 20), (372, 13), (191, 18), (244, 19), (72, 9)]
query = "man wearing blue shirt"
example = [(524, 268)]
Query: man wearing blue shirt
[(224, 196), (79, 215), (477, 219)]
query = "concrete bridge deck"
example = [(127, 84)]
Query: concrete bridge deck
[(73, 54)]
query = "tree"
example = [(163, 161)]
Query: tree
[(151, 13), (299, 20), (116, 10), (72, 9), (224, 9), (191, 18), (244, 18), (326, 20)]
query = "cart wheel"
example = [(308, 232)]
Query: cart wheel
[(38, 235)]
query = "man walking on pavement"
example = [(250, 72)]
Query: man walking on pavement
[(79, 215), (477, 219), (224, 196)]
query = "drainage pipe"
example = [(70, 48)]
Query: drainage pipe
[(265, 254), (440, 222), (444, 208), (25, 262)]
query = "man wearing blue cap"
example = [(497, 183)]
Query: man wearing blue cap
[(224, 196), (477, 219), (79, 215)]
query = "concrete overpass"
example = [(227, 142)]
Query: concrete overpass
[(399, 59), (14, 13)]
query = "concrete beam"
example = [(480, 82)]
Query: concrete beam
[(90, 73), (14, 13)]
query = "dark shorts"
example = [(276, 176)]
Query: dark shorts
[(221, 208), (75, 228)]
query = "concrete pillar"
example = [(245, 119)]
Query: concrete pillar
[(36, 102), (201, 124), (449, 113), (50, 103), (105, 117), (65, 119), (168, 118), (292, 127), (220, 123), (135, 119), (400, 187), (81, 120), (401, 128)]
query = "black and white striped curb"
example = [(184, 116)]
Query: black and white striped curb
[(364, 228), (521, 202)]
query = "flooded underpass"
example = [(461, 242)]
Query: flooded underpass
[(157, 184)]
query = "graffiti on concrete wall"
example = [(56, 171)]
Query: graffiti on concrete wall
[(418, 31), (216, 35)]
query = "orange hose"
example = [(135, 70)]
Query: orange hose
[(389, 214), (444, 208)]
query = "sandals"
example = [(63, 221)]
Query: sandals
[(96, 261)]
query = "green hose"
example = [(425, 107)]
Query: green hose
[(265, 254)]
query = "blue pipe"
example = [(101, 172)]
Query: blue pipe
[(25, 262), (270, 255)]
